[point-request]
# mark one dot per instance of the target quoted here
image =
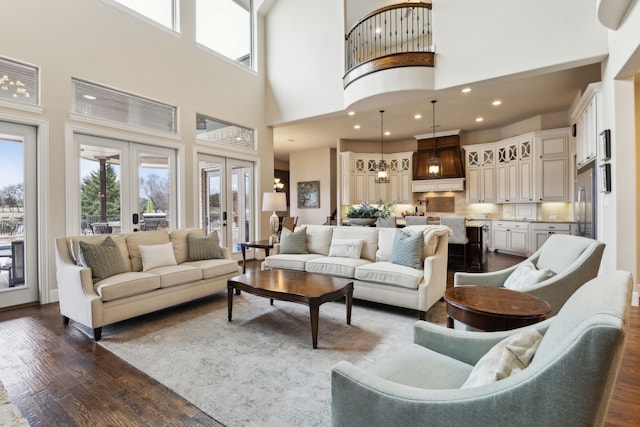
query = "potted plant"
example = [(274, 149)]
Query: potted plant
[(367, 214)]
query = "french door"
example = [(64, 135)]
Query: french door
[(226, 199), (18, 222), (124, 186)]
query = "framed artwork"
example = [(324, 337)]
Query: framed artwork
[(605, 144), (309, 194), (605, 178)]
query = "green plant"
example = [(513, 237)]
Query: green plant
[(366, 210)]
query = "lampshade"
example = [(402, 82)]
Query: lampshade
[(274, 202)]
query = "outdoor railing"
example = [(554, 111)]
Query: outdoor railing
[(390, 37)]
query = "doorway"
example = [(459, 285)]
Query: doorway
[(18, 215)]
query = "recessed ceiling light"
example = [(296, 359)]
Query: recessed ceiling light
[(496, 103), (356, 127), (378, 30), (387, 133), (466, 90), (417, 116), (351, 113), (89, 97), (479, 119)]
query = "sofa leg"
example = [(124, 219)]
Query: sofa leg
[(65, 320), (97, 334), (422, 315)]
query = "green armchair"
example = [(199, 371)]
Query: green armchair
[(574, 259), (569, 381)]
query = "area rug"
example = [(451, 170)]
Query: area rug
[(10, 415), (259, 369)]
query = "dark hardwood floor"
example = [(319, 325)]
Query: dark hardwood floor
[(57, 376)]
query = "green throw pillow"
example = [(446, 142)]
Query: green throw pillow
[(293, 242), (407, 249), (104, 259), (200, 248)]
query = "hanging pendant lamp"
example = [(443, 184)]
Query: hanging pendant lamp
[(434, 164), (382, 169)]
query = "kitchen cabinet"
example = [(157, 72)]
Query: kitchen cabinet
[(552, 166), (358, 175), (442, 184), (480, 166), (514, 170), (510, 236), (541, 231), (587, 118), (478, 234)]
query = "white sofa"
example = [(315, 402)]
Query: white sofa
[(135, 292), (375, 277)]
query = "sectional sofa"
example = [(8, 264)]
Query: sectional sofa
[(155, 273), (384, 270)]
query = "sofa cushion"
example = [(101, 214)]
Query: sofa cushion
[(203, 247), (385, 243), (293, 242), (157, 256), (104, 259), (173, 275), (180, 244), (215, 267), (134, 240), (319, 238), (526, 275), (408, 248), (368, 234), (74, 247), (511, 355), (289, 261), (388, 273), (126, 285), (333, 266), (347, 248)]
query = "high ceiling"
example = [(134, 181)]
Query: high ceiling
[(522, 98)]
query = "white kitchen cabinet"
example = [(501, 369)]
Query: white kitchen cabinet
[(481, 173), (587, 117), (443, 184), (514, 170), (541, 231), (553, 183), (510, 236)]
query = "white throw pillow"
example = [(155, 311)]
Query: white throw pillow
[(346, 248), (526, 275), (511, 355), (157, 256)]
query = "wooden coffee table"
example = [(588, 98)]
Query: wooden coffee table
[(493, 309), (295, 286)]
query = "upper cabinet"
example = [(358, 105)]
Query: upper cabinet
[(587, 119), (552, 149), (480, 162), (514, 170)]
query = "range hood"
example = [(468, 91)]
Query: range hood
[(447, 147)]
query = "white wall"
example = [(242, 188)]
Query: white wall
[(313, 165), (91, 40)]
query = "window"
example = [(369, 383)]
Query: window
[(225, 27), (100, 102), (210, 130), (18, 82), (163, 12)]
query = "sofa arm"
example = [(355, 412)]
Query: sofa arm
[(494, 279), (226, 253)]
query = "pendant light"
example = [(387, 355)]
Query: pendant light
[(382, 169), (434, 164)]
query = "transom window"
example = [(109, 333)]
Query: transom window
[(225, 27), (164, 12), (211, 130), (18, 82)]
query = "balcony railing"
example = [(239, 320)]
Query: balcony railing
[(390, 37)]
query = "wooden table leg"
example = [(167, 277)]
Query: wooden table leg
[(229, 301), (349, 304), (243, 249), (314, 311)]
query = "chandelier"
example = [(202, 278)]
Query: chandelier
[(382, 169), (434, 164)]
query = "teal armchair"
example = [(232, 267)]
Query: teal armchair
[(569, 381), (574, 259)]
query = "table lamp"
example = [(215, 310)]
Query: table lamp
[(273, 201)]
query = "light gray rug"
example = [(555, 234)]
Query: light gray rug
[(260, 369)]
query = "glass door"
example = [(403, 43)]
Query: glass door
[(18, 251), (125, 186), (226, 201)]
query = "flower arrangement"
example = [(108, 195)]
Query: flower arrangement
[(366, 210)]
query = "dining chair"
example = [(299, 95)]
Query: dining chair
[(458, 242), (415, 220)]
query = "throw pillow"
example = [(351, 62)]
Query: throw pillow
[(526, 275), (154, 256), (511, 355), (200, 247), (346, 248), (104, 259), (293, 242), (408, 249)]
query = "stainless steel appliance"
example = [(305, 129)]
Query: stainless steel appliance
[(585, 200)]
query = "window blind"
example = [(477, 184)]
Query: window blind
[(18, 82)]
